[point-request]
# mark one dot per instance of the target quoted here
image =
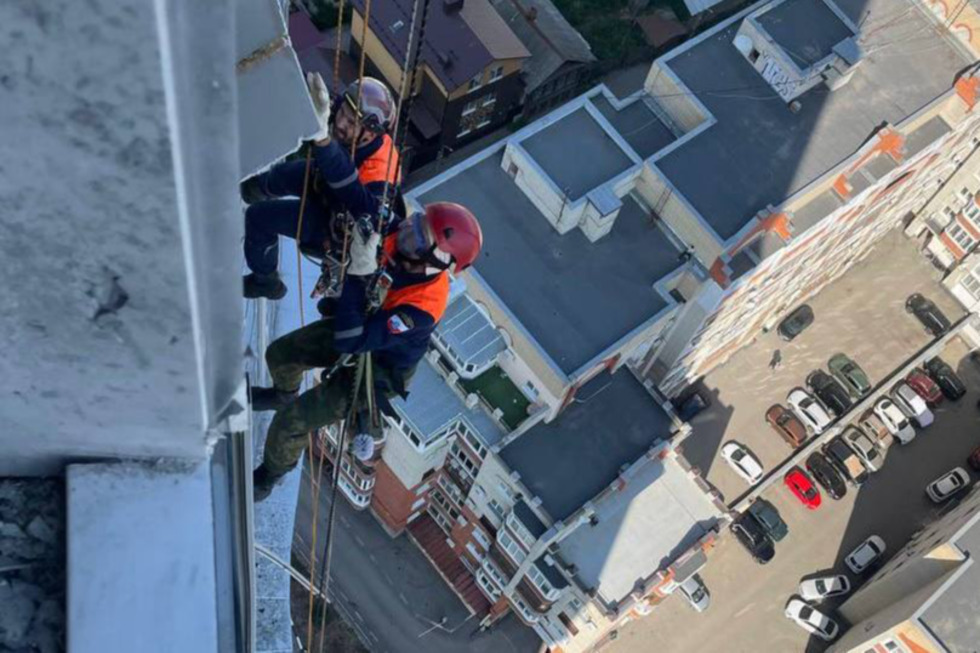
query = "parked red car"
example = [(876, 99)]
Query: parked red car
[(924, 386), (800, 484), (974, 459)]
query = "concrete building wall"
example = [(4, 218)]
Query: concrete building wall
[(406, 461), (559, 209), (108, 207), (521, 374), (679, 216), (683, 109), (493, 482), (791, 275)]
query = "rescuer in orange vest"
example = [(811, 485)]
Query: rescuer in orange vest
[(363, 114), (418, 252)]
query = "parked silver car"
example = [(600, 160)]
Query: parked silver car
[(824, 587), (696, 593), (947, 485)]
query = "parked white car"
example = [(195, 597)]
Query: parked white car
[(895, 420), (912, 404), (810, 411), (742, 461), (811, 620), (865, 447), (865, 554), (944, 487), (824, 587), (694, 590)]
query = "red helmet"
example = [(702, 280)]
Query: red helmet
[(456, 232)]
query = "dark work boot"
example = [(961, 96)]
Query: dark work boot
[(270, 398), (327, 306), (263, 483), (269, 286), (253, 190)]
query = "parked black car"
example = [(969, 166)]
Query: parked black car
[(928, 314), (692, 404), (753, 536), (948, 381), (768, 517), (845, 461), (826, 475), (795, 323), (829, 391)]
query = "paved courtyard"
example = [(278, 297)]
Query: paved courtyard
[(863, 315)]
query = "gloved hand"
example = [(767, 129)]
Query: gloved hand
[(321, 104), (363, 254)]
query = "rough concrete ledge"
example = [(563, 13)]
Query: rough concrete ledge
[(141, 573)]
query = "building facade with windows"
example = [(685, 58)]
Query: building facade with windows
[(926, 598), (468, 78)]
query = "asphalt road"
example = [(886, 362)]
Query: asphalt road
[(389, 592)]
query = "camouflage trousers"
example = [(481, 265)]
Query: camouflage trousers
[(288, 358)]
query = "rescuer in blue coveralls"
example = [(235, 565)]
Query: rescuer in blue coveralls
[(336, 182)]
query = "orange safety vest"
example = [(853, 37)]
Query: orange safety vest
[(430, 296), (376, 167)]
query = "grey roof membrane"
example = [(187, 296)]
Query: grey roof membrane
[(759, 152), (570, 460), (816, 210), (432, 405), (637, 124), (576, 298), (920, 137), (470, 333), (807, 30), (954, 617), (658, 516), (577, 153)]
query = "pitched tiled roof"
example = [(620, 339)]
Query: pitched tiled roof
[(550, 38), (459, 43)]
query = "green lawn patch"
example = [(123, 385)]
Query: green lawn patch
[(499, 391)]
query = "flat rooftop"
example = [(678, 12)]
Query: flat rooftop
[(577, 153), (954, 615), (576, 298), (658, 516), (807, 30), (759, 152), (432, 406), (613, 422), (637, 124)]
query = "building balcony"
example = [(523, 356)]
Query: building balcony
[(498, 392)]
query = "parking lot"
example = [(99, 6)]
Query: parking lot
[(862, 315)]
